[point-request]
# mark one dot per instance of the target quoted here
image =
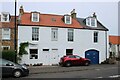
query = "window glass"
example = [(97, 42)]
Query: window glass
[(95, 37), (5, 17), (70, 35), (71, 56), (35, 17), (35, 34), (5, 34), (5, 47), (69, 51), (4, 62), (78, 57), (92, 22), (67, 19), (45, 49), (88, 21), (33, 53), (54, 34)]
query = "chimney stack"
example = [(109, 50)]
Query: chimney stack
[(21, 10), (94, 15), (73, 14)]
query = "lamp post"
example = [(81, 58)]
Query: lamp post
[(15, 40)]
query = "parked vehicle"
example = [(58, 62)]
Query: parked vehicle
[(70, 60), (12, 69)]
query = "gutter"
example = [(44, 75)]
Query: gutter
[(106, 43)]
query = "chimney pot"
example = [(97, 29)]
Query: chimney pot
[(21, 10), (94, 15)]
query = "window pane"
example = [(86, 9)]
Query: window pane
[(35, 17), (95, 37), (5, 47), (33, 53), (45, 49), (69, 51), (70, 34), (68, 19), (5, 17), (35, 34), (6, 34), (54, 34), (92, 22)]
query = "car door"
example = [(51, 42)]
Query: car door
[(72, 59), (78, 60), (7, 67)]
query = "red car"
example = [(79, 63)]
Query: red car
[(70, 60)]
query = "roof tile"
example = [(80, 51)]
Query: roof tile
[(46, 20), (114, 39)]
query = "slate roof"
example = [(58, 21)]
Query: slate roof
[(99, 25)]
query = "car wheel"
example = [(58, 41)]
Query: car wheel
[(68, 64), (17, 73), (86, 63)]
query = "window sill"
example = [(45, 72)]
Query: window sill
[(6, 39), (70, 41), (95, 42), (34, 42), (54, 40)]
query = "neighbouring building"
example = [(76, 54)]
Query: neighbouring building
[(114, 45), (7, 31), (52, 36)]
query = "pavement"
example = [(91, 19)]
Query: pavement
[(58, 69)]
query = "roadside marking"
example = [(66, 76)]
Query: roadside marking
[(114, 76), (99, 77), (97, 69)]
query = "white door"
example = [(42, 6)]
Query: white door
[(54, 56), (46, 57)]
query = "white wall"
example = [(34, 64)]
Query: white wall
[(83, 41), (114, 49)]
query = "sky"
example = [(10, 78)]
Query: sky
[(106, 11)]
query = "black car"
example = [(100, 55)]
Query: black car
[(13, 69)]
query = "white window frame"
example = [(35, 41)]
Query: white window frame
[(33, 55), (89, 22), (35, 34), (35, 17), (70, 35), (6, 46), (2, 17), (70, 19), (6, 34), (54, 34)]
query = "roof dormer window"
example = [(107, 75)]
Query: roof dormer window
[(67, 19), (35, 17), (5, 17), (91, 21)]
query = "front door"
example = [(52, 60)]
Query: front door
[(93, 55), (46, 57), (54, 56)]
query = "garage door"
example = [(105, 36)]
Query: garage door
[(93, 55)]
